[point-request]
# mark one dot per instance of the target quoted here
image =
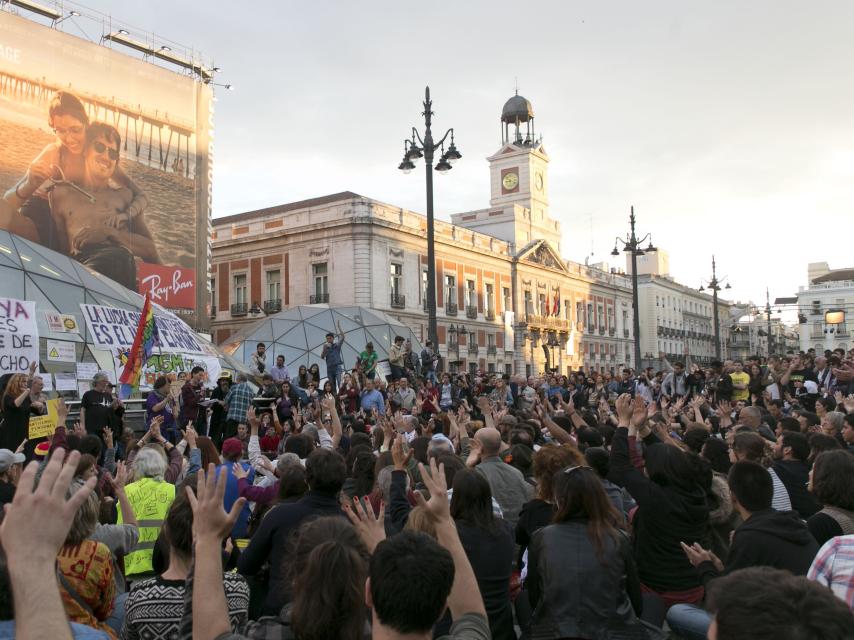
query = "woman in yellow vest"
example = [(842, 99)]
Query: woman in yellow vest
[(150, 496)]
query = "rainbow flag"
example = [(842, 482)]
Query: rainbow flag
[(140, 352)]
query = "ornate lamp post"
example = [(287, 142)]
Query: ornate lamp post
[(632, 244), (414, 148), (715, 285)]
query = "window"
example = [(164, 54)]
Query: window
[(490, 367), (508, 302), (508, 369), (471, 294), (451, 289), (600, 315), (579, 312), (625, 320), (240, 293), (274, 285), (543, 306), (213, 295), (472, 369), (490, 302), (424, 286), (490, 340), (529, 303), (321, 279), (396, 279), (590, 318)]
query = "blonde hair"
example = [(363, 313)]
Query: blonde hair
[(16, 385), (86, 518), (420, 520)]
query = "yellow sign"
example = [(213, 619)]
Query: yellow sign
[(44, 426)]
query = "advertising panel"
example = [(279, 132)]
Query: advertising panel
[(106, 158)]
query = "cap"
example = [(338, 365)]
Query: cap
[(8, 458), (232, 446)]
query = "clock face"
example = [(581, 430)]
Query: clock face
[(510, 181), (539, 182)]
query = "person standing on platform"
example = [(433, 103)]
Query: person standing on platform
[(332, 354)]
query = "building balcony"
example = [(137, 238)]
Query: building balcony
[(820, 335), (239, 309), (450, 309), (473, 348), (625, 333), (490, 314), (601, 331), (398, 301), (491, 350), (612, 331), (320, 298), (272, 306), (471, 312)]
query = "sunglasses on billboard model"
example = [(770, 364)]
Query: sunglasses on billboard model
[(100, 147)]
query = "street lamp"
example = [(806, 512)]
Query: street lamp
[(633, 245), (714, 285), (414, 148)]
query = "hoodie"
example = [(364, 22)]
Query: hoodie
[(777, 539), (795, 475)]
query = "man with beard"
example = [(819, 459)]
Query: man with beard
[(102, 234)]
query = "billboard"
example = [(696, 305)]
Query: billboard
[(106, 158)]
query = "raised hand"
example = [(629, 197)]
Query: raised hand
[(78, 430), (39, 518), (119, 480), (238, 471), (210, 521), (638, 418), (370, 528), (107, 434), (624, 408), (399, 456), (437, 507)]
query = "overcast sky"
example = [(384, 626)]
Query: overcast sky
[(729, 125)]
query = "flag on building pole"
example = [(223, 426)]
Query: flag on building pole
[(556, 306), (140, 352)]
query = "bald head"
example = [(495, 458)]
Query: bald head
[(490, 441)]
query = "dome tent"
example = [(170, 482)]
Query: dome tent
[(59, 285), (298, 334)]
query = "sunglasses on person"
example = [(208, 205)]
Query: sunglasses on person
[(569, 470), (100, 147)]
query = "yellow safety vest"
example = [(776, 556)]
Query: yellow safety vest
[(150, 500)]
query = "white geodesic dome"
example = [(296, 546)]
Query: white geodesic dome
[(298, 334)]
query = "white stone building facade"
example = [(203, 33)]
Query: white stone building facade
[(828, 290)]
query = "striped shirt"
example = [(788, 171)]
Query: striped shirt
[(834, 567)]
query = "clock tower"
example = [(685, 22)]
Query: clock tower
[(519, 184)]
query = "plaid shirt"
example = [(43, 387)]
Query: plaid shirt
[(834, 567), (238, 399)]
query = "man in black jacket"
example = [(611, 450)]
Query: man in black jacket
[(767, 538), (325, 472), (791, 453)]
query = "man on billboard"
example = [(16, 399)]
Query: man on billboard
[(100, 231), (25, 207)]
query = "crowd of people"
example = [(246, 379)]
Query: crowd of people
[(690, 502)]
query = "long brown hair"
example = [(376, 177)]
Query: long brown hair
[(208, 451), (16, 385), (329, 565), (547, 462), (578, 493)]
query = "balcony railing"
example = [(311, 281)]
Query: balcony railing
[(473, 348), (320, 298), (240, 308), (450, 309), (601, 331), (272, 306), (549, 322), (491, 350), (398, 301), (820, 335), (612, 331), (490, 314), (625, 333), (213, 312), (471, 312)]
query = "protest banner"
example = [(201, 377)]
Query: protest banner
[(170, 365), (44, 426), (19, 335), (110, 328)]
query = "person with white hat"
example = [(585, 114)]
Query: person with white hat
[(11, 463)]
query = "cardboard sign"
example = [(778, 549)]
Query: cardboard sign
[(66, 381), (44, 426), (19, 335)]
